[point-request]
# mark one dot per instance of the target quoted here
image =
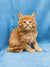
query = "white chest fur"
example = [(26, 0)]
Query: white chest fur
[(29, 38)]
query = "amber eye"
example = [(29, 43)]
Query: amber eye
[(30, 21), (24, 21)]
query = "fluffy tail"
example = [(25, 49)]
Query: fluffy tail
[(14, 49), (11, 49)]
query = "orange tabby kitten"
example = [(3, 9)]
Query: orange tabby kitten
[(26, 33)]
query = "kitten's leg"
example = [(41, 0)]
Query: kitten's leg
[(12, 44), (37, 47), (29, 49)]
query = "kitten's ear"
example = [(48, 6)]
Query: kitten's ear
[(19, 15), (33, 15)]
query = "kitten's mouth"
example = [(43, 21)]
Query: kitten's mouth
[(27, 25), (27, 28)]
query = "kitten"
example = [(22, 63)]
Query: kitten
[(26, 33)]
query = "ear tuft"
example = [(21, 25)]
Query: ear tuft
[(33, 15), (19, 14)]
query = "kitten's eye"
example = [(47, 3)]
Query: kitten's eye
[(30, 21), (24, 21)]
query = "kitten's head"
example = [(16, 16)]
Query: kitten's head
[(27, 22)]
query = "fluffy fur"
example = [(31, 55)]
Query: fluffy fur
[(26, 33)]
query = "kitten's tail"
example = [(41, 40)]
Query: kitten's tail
[(11, 49), (14, 49)]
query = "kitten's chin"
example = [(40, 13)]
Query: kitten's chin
[(27, 28)]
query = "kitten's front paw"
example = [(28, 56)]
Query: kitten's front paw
[(32, 50), (39, 49)]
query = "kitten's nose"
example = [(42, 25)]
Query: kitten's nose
[(27, 24)]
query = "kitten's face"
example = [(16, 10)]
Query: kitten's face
[(27, 22)]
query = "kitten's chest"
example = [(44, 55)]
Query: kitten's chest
[(29, 38)]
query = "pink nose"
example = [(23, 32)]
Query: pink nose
[(27, 24)]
